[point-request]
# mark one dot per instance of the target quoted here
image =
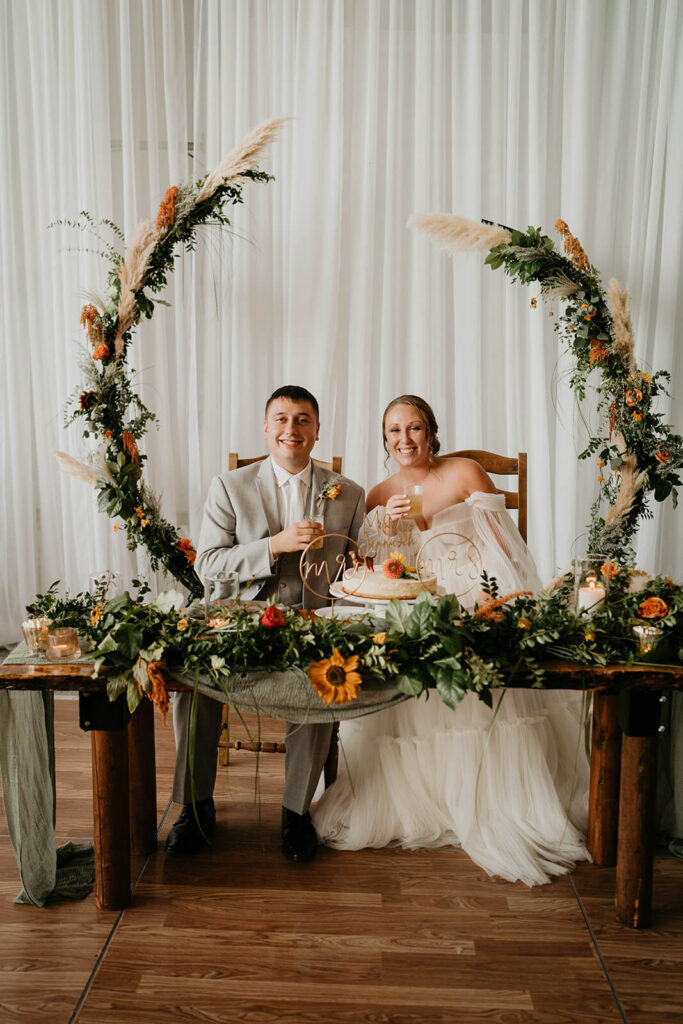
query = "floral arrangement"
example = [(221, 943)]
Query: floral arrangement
[(107, 407), (395, 568), (638, 455), (432, 644)]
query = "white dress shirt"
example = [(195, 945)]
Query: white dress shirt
[(291, 507)]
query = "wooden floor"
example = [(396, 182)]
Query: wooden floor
[(382, 937)]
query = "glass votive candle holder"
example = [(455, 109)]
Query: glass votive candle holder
[(220, 587), (648, 637), (62, 644), (591, 582), (35, 634)]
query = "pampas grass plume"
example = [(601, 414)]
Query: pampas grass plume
[(244, 157), (617, 299), (456, 234)]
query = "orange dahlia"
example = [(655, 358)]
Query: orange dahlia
[(395, 566), (335, 678), (663, 456)]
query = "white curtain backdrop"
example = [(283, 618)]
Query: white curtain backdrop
[(516, 110)]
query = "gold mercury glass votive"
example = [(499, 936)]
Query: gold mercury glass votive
[(648, 637), (62, 644), (35, 634)]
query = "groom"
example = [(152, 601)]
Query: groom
[(256, 523)]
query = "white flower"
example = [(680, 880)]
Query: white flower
[(169, 601)]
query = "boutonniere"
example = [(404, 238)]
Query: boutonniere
[(330, 491)]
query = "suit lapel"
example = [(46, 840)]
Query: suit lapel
[(266, 485)]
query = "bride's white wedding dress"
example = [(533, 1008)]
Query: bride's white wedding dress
[(512, 792)]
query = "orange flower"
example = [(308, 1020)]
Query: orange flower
[(663, 456), (589, 636), (116, 527), (336, 679), (600, 462), (634, 396), (166, 213), (601, 479), (334, 492), (101, 351), (108, 435), (91, 320), (130, 445), (96, 614), (533, 303), (653, 608), (182, 625), (637, 416), (572, 246), (523, 623), (551, 313), (589, 316), (185, 545), (393, 568), (609, 570), (599, 352), (159, 695), (379, 638)]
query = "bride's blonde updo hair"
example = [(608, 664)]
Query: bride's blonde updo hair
[(427, 415)]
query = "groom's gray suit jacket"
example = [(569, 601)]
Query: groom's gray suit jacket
[(240, 514)]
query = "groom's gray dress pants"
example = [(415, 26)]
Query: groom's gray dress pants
[(307, 749)]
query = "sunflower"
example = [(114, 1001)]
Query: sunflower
[(335, 679)]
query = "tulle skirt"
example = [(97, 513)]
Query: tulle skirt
[(510, 786)]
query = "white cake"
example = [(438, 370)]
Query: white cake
[(373, 584)]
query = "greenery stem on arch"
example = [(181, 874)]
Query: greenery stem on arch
[(638, 455), (108, 408)]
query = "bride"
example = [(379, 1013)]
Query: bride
[(508, 785)]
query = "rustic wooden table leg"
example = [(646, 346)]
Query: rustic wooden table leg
[(142, 782), (603, 808), (636, 830), (110, 807)]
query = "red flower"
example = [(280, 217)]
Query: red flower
[(272, 617), (88, 399), (662, 456)]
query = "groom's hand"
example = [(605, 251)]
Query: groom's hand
[(296, 537)]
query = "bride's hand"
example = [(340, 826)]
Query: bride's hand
[(398, 506)]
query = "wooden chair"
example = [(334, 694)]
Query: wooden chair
[(272, 746), (502, 465)]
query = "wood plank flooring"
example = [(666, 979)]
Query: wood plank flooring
[(238, 934)]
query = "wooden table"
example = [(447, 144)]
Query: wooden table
[(629, 708)]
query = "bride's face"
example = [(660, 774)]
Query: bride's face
[(406, 436)]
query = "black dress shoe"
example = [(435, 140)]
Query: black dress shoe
[(299, 841), (186, 835)]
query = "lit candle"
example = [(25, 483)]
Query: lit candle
[(62, 644), (590, 595)]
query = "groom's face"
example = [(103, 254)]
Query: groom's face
[(291, 430)]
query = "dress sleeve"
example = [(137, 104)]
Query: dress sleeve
[(503, 552), (374, 540)]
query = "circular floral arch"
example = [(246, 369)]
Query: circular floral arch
[(108, 409), (638, 455)]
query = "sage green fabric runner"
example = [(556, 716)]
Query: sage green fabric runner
[(27, 775)]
